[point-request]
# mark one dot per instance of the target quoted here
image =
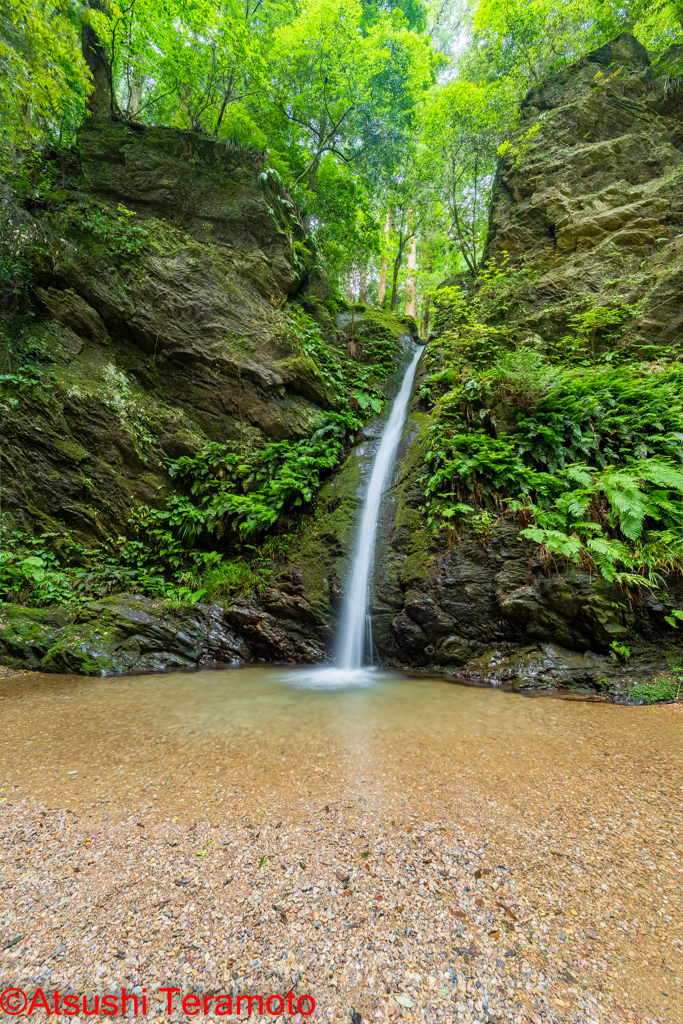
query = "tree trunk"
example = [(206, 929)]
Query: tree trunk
[(383, 280), (363, 294), (394, 280), (135, 97), (350, 298), (226, 98), (385, 263), (101, 101), (411, 280)]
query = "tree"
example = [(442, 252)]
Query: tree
[(463, 126), (194, 63), (523, 40), (408, 205), (336, 84), (44, 79), (342, 216)]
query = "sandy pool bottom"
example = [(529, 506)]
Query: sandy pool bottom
[(400, 849)]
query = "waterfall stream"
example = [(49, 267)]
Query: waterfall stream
[(355, 635)]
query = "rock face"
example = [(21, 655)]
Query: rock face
[(590, 201), (292, 620), (165, 326), (136, 634), (167, 265), (487, 610), (593, 202), (160, 325)]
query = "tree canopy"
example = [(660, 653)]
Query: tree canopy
[(383, 117)]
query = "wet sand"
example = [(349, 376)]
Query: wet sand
[(408, 850)]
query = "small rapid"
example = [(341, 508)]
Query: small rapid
[(354, 648)]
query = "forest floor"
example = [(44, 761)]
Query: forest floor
[(525, 871)]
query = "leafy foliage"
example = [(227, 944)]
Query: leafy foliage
[(242, 496), (588, 458), (43, 78), (227, 502), (33, 573), (630, 412), (654, 693)]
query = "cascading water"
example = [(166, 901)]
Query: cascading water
[(355, 637)]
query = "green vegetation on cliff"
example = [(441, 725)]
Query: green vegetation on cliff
[(382, 120), (556, 378), (584, 454), (192, 201), (172, 394)]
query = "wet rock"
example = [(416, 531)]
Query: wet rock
[(539, 666), (135, 634), (26, 634)]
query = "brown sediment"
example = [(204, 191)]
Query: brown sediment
[(415, 850)]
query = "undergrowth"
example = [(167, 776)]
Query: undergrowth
[(661, 689), (231, 508), (217, 536), (577, 445)]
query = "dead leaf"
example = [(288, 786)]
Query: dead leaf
[(507, 910)]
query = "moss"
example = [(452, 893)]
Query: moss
[(418, 565), (380, 321), (326, 541), (26, 634), (64, 657)]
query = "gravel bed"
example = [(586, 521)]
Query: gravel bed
[(440, 885)]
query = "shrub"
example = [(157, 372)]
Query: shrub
[(653, 693)]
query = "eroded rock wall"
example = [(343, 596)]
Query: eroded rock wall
[(588, 202), (161, 301), (590, 197)]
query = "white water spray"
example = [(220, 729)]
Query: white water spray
[(355, 636)]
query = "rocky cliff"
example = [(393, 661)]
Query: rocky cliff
[(587, 210), (151, 281), (162, 322), (159, 322)]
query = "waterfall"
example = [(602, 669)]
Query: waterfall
[(355, 636)]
